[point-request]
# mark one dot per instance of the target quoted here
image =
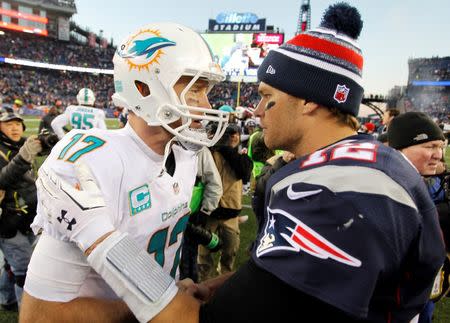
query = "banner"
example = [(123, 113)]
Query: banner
[(63, 29)]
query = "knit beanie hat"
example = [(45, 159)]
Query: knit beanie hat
[(412, 128), (322, 65)]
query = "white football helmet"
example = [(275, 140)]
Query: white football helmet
[(86, 97), (158, 55)]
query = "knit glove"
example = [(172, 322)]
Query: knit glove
[(30, 148)]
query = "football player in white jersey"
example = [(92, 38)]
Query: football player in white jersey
[(146, 171), (81, 116)]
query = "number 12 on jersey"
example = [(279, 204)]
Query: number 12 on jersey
[(365, 151)]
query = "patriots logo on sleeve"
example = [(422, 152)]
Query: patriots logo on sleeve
[(294, 235)]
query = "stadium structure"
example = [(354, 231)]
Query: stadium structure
[(428, 88), (46, 57), (304, 17)]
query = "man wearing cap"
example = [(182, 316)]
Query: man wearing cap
[(18, 191), (421, 141), (349, 232)]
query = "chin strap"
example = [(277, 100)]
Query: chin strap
[(166, 155)]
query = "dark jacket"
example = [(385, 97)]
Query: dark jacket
[(271, 166), (18, 181)]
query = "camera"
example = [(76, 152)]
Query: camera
[(204, 237), (48, 141)]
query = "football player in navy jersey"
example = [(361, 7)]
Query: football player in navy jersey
[(349, 232)]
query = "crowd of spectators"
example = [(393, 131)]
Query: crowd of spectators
[(37, 87), (43, 87), (20, 45), (226, 93), (433, 99), (429, 69)]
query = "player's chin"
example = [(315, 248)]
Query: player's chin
[(269, 141)]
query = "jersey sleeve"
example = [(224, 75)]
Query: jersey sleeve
[(211, 178), (56, 271), (101, 120), (58, 123), (97, 150)]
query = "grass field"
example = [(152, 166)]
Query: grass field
[(248, 230)]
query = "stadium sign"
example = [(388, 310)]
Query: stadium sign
[(237, 22), (263, 38)]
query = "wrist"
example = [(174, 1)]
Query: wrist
[(134, 275), (97, 242)]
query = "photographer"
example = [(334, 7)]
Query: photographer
[(234, 169), (17, 156)]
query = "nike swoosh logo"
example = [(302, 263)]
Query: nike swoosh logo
[(292, 195)]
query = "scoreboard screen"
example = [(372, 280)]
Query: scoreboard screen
[(240, 54)]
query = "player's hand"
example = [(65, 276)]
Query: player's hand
[(199, 291), (80, 215)]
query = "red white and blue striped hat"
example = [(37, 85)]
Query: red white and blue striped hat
[(322, 65)]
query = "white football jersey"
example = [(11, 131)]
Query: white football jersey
[(151, 207), (79, 117)]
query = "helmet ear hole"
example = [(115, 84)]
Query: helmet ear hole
[(142, 88)]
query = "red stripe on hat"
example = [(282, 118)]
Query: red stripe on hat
[(329, 48)]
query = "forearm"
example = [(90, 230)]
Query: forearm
[(182, 306), (214, 283), (78, 310)]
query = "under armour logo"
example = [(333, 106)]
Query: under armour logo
[(270, 70), (63, 218)]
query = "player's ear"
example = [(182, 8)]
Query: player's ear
[(308, 106)]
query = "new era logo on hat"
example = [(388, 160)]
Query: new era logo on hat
[(270, 70)]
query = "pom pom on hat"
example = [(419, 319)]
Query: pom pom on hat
[(322, 65), (343, 18)]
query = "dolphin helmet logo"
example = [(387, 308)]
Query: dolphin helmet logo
[(144, 49)]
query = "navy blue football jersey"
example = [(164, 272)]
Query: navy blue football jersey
[(354, 226)]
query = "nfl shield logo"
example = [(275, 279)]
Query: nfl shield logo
[(341, 93), (176, 188)]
